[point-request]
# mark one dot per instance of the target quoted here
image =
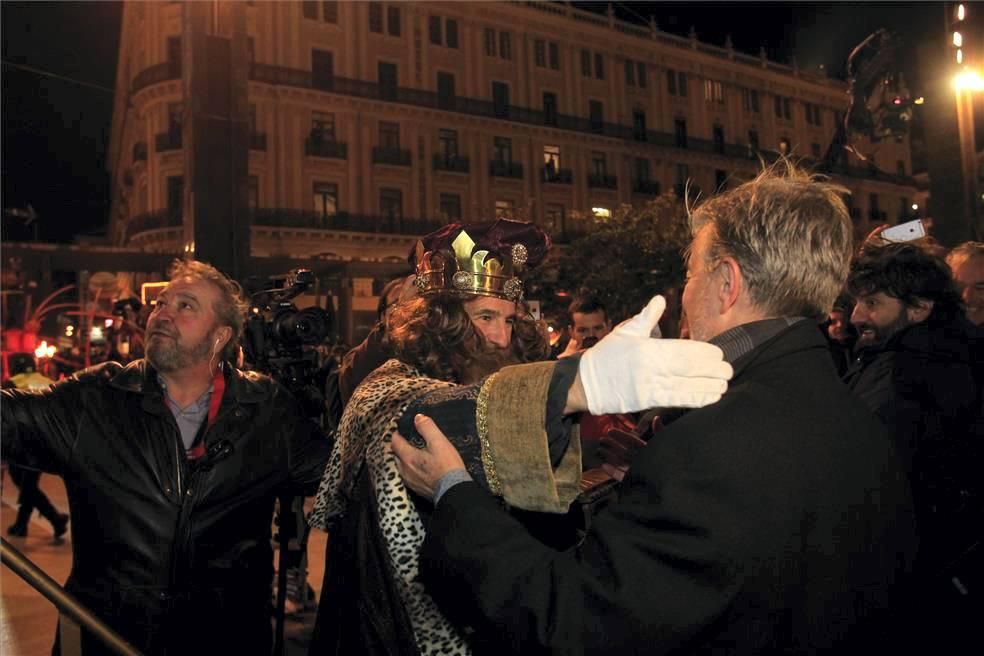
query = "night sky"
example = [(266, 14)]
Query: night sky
[(56, 131)]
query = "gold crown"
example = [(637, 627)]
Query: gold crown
[(469, 271)]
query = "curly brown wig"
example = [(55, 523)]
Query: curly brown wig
[(436, 335)]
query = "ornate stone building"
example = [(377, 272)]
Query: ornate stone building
[(342, 130)]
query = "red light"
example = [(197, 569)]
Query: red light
[(897, 101)]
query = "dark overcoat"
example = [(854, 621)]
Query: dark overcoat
[(777, 520)]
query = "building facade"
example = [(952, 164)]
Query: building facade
[(371, 123)]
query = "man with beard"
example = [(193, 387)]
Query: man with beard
[(773, 521), (914, 367), (966, 261), (172, 465), (468, 322)]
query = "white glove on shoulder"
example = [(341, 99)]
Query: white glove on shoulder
[(629, 371)]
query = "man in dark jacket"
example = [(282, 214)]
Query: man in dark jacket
[(775, 521), (172, 465), (914, 368)]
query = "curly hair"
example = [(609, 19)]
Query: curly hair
[(231, 306), (910, 274), (436, 335)]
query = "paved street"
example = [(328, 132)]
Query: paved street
[(28, 620)]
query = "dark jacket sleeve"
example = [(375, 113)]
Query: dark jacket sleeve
[(40, 427), (362, 361)]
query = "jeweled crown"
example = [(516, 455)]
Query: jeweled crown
[(490, 266)]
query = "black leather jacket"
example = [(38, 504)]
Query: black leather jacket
[(174, 556)]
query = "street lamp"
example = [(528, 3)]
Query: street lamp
[(968, 81)]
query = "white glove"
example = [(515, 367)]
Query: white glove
[(628, 371)]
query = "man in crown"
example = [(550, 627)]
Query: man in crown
[(455, 346)]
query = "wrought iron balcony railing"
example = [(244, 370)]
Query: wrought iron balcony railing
[(646, 187), (319, 147), (454, 163), (165, 141), (557, 176), (603, 182), (343, 221), (152, 221), (257, 141), (140, 151), (156, 74), (392, 156), (501, 169)]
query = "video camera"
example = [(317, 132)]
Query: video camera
[(279, 340)]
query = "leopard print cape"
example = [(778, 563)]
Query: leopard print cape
[(363, 437)]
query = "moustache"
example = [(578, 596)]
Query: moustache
[(157, 329)]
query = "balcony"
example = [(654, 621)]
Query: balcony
[(557, 176), (645, 187), (602, 182), (165, 141), (320, 147), (501, 169), (309, 220), (152, 221), (257, 141), (391, 156), (140, 151), (452, 163), (156, 74)]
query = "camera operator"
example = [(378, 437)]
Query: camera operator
[(172, 465)]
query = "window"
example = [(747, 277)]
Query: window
[(641, 74), (599, 164), (551, 158), (393, 20), (445, 89), (815, 150), (553, 218), (595, 115), (325, 200), (787, 109), (448, 140), (322, 126), (175, 196), (502, 149), (391, 203), (873, 205), (253, 192), (750, 100), (784, 146), (778, 107), (639, 125), (718, 139), (387, 80), (489, 42), (680, 132), (505, 45), (175, 117), (601, 212), (720, 180), (676, 83), (322, 69), (599, 66), (504, 209), (329, 11), (252, 118), (500, 98), (376, 17), (389, 135), (450, 208), (753, 139), (714, 92), (554, 56), (900, 167), (310, 9), (812, 114), (586, 63), (630, 72), (540, 52), (682, 177), (451, 33), (641, 169), (549, 108), (434, 28)]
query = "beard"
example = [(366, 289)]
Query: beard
[(486, 361), (166, 353), (870, 335)]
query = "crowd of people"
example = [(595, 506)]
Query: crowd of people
[(801, 472)]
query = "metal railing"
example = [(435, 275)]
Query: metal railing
[(319, 147), (152, 221), (557, 176), (392, 156), (602, 182), (156, 74), (165, 141), (646, 187), (67, 605), (501, 169), (455, 164), (281, 217), (257, 141)]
